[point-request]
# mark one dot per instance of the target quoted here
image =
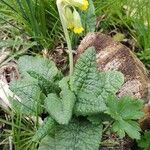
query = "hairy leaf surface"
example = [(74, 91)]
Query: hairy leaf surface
[(85, 72), (47, 86), (109, 83), (30, 97), (89, 104), (92, 87), (41, 66), (43, 130), (60, 108), (75, 136)]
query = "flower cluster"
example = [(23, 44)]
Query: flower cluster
[(71, 16)]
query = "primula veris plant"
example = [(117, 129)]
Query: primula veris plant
[(74, 105)]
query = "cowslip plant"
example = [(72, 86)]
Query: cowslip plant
[(74, 106)]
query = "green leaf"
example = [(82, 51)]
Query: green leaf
[(130, 108), (30, 95), (60, 108), (132, 128), (46, 86), (44, 129), (75, 136), (89, 104), (109, 82), (88, 79), (92, 87), (125, 111), (144, 143), (85, 73), (41, 66), (99, 118), (95, 119), (89, 24)]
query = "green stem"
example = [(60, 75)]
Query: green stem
[(59, 6)]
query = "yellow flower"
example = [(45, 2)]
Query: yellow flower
[(77, 22), (85, 5), (78, 30), (72, 19)]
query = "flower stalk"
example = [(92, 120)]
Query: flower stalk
[(60, 10), (70, 19)]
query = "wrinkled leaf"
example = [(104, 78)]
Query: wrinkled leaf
[(30, 97), (89, 104), (41, 66), (85, 73), (44, 129), (92, 87), (60, 108), (109, 82), (75, 136), (46, 86)]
